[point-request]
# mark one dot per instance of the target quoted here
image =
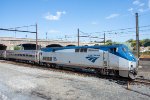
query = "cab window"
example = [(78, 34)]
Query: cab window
[(124, 49), (113, 50)]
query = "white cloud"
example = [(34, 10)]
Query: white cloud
[(141, 10), (141, 4), (53, 31), (112, 16), (130, 9), (136, 2), (54, 17)]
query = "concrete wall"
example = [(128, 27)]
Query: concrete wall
[(10, 42)]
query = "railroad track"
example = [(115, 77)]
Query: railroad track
[(143, 81)]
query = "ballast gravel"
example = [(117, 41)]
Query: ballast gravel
[(26, 83)]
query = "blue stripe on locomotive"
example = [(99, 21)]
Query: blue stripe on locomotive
[(120, 52)]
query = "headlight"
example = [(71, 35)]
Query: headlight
[(131, 67)]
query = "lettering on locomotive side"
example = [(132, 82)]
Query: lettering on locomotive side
[(90, 49)]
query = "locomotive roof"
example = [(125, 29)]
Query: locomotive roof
[(102, 47)]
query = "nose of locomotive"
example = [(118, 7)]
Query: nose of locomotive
[(133, 69)]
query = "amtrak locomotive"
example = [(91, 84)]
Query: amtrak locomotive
[(105, 60)]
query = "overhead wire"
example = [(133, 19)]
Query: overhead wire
[(22, 27)]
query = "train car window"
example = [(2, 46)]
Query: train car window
[(81, 50), (116, 49), (113, 50), (50, 58), (47, 58), (76, 50), (85, 50)]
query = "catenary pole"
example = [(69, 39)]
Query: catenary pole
[(78, 37), (36, 38), (137, 36), (104, 39)]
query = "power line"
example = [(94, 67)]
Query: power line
[(16, 30), (22, 27), (141, 15), (123, 29)]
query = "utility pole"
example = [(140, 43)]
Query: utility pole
[(104, 39), (15, 33), (137, 36), (46, 36), (36, 38), (78, 37)]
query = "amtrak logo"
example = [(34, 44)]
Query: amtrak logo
[(92, 58)]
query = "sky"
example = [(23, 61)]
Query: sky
[(60, 19)]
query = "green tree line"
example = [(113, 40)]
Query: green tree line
[(144, 42)]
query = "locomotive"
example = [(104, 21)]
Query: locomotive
[(105, 60)]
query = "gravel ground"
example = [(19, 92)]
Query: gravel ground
[(26, 83)]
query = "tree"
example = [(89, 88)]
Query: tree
[(146, 42), (132, 42), (109, 42), (18, 48)]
